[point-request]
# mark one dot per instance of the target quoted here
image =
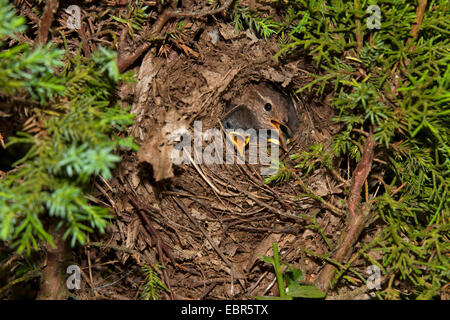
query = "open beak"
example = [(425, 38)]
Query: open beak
[(284, 133), (239, 141)]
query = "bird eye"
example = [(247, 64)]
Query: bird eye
[(267, 107)]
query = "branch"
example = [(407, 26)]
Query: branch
[(360, 175), (47, 19), (200, 14), (29, 275), (160, 246), (53, 285), (123, 62), (358, 32), (358, 215), (416, 27)]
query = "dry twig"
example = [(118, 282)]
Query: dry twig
[(47, 19), (159, 243)]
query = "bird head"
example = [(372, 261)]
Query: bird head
[(237, 122), (260, 107)]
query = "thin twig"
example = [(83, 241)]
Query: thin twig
[(84, 41), (416, 27), (217, 191), (160, 246), (203, 13), (325, 203), (47, 19), (29, 275), (123, 249), (358, 32), (280, 213)]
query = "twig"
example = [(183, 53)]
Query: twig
[(360, 175), (29, 275), (269, 207), (361, 131), (358, 32), (84, 41), (202, 13), (265, 187), (312, 195), (416, 27), (91, 280), (124, 61), (414, 33), (47, 19), (253, 287), (399, 188), (123, 249), (160, 246), (338, 176), (334, 262), (213, 244), (151, 229), (217, 191)]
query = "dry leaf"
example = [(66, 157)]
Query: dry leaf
[(157, 151)]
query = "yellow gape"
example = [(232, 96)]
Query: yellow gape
[(240, 141)]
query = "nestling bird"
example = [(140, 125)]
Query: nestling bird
[(260, 107)]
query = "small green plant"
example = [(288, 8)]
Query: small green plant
[(244, 17), (77, 133), (134, 18), (392, 83), (178, 31), (153, 284), (308, 160), (283, 173), (289, 280), (214, 4), (27, 70)]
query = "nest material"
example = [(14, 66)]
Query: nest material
[(217, 219)]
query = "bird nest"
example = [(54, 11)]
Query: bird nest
[(208, 224)]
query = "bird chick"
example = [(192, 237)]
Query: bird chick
[(260, 107), (237, 123)]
